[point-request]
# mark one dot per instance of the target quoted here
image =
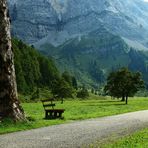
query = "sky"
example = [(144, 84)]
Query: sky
[(146, 0)]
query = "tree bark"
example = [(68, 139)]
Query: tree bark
[(9, 104), (126, 100), (123, 98), (62, 100)]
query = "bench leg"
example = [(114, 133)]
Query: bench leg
[(46, 115), (51, 114), (55, 114), (60, 115)]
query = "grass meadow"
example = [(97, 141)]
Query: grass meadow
[(93, 107)]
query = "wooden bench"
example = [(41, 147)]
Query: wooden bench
[(51, 113)]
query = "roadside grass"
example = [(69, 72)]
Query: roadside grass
[(74, 110), (137, 140)]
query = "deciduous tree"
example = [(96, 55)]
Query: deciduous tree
[(62, 89), (123, 83)]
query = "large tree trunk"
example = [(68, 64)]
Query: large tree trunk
[(9, 104)]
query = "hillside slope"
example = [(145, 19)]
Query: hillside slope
[(32, 69), (91, 57), (88, 37)]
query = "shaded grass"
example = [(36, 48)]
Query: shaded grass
[(74, 110), (137, 140)]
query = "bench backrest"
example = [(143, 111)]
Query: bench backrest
[(48, 103)]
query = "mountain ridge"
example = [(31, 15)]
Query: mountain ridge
[(92, 57), (56, 21), (87, 38)]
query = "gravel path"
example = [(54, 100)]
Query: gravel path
[(77, 134)]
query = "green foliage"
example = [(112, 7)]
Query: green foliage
[(35, 95), (74, 83), (96, 72), (71, 80), (62, 89), (139, 61), (66, 76), (123, 83), (25, 66), (48, 71), (83, 93), (32, 69), (64, 86), (92, 91)]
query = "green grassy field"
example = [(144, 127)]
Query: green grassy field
[(137, 140), (74, 110)]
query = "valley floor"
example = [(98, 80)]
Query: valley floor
[(79, 133), (74, 110)]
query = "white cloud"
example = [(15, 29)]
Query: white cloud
[(146, 0)]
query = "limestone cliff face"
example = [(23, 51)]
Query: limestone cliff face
[(55, 21)]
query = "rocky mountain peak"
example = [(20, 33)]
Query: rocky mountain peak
[(56, 21)]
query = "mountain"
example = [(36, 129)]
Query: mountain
[(56, 21), (91, 57), (89, 38)]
